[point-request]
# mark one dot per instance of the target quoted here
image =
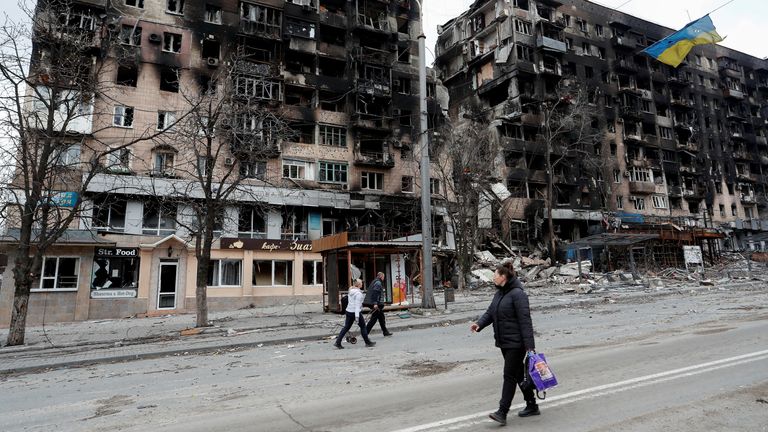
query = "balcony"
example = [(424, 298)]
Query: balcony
[(689, 146), (379, 23), (747, 177), (682, 103), (691, 194), (373, 56), (748, 198), (733, 94), (631, 112), (550, 68), (625, 65), (742, 154), (550, 44), (268, 30), (642, 187), (372, 87), (520, 145), (761, 140), (729, 69), (623, 42), (375, 159), (675, 191), (687, 169)]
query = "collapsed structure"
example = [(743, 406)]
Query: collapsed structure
[(683, 152)]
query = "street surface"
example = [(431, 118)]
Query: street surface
[(689, 363)]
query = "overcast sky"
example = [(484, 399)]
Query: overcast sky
[(743, 21)]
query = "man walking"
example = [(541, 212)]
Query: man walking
[(373, 300)]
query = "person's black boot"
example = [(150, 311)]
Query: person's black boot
[(499, 416), (531, 409), (338, 345)]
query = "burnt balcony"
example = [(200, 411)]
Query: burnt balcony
[(730, 69), (745, 176), (675, 191), (735, 115), (373, 56), (625, 65), (521, 145), (550, 44), (267, 30), (733, 94), (692, 194), (748, 198), (761, 140), (678, 80), (688, 170), (550, 68), (375, 159), (377, 24), (681, 103), (642, 187), (688, 146), (630, 112), (623, 42), (381, 88), (334, 19)]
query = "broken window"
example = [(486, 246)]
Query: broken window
[(272, 273), (259, 88), (172, 42), (404, 117), (403, 85), (332, 102), (174, 6), (371, 180), (165, 120), (298, 62), (135, 3), (256, 19), (251, 223), (130, 35), (127, 76), (333, 136), (300, 28), (211, 48), (123, 116), (524, 53), (212, 14), (331, 67), (404, 53), (406, 184), (169, 79)]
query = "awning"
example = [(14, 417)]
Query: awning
[(611, 239)]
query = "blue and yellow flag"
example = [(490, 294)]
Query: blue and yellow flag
[(672, 49)]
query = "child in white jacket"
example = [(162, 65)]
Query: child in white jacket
[(354, 312)]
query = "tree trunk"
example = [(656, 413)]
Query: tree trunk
[(201, 289), (550, 203), (22, 278)]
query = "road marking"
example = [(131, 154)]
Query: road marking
[(470, 419)]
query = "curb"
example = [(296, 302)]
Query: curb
[(319, 337)]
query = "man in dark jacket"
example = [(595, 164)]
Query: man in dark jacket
[(373, 300), (510, 315)]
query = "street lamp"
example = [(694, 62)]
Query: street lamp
[(427, 300)]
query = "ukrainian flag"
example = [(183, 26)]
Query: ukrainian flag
[(673, 48)]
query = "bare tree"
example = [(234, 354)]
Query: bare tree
[(56, 84), (223, 143), (569, 131), (465, 166)]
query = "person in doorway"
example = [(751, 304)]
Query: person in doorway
[(510, 316), (354, 312), (374, 300)]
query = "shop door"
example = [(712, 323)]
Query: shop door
[(166, 287)]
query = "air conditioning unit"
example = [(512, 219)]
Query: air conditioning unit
[(155, 38), (632, 198), (345, 186), (393, 47), (212, 62), (397, 144), (627, 174), (229, 161)]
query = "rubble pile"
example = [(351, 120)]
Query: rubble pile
[(541, 275)]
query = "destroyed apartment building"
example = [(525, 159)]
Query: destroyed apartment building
[(342, 74), (682, 153)]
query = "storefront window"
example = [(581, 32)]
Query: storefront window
[(59, 273), (115, 268), (312, 273), (224, 273), (272, 273)]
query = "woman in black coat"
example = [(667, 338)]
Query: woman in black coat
[(510, 316)]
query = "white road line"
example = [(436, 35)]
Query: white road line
[(467, 420)]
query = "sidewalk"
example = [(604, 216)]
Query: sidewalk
[(89, 342)]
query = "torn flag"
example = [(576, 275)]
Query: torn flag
[(672, 49)]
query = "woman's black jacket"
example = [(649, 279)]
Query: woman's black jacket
[(511, 317)]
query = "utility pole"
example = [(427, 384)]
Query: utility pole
[(427, 300)]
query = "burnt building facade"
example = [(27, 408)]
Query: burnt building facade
[(682, 145), (341, 74)]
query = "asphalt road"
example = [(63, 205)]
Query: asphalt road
[(684, 363)]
